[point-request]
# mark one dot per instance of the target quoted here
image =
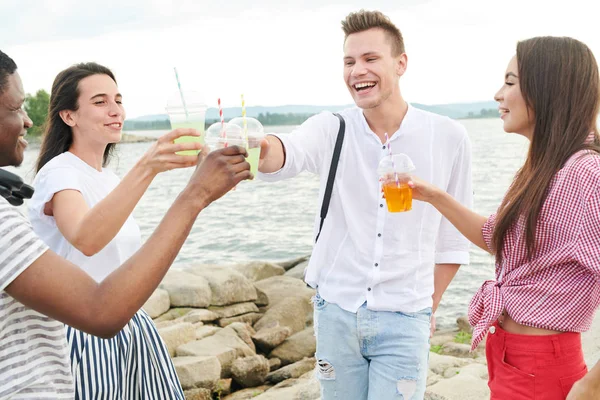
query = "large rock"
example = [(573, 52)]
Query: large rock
[(259, 270), (198, 372), (293, 389), (292, 263), (439, 363), (158, 303), (223, 387), (244, 332), (200, 316), (173, 314), (292, 371), (206, 331), (290, 312), (268, 338), (248, 394), (225, 345), (233, 310), (186, 290), (261, 298), (249, 318), (278, 288), (250, 371), (466, 385), (227, 285), (296, 347), (297, 271), (463, 324), (198, 394), (176, 335), (457, 350)]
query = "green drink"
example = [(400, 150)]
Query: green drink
[(188, 114), (253, 158), (187, 139)]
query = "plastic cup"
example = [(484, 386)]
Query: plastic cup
[(256, 133), (190, 116), (219, 136), (394, 173)]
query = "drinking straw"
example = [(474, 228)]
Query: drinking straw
[(223, 132), (244, 121), (181, 93), (387, 141)]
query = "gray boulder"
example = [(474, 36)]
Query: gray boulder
[(278, 288), (186, 290), (290, 312), (259, 270), (295, 370), (296, 347), (250, 371), (227, 285), (198, 372), (158, 303)]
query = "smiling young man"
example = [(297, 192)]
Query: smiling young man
[(378, 274)]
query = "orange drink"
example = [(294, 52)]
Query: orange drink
[(398, 196)]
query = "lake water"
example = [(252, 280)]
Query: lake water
[(261, 221)]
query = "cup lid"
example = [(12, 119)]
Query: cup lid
[(398, 163)]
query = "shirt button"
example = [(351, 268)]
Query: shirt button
[(381, 205), (379, 235), (383, 147), (492, 329), (376, 264), (369, 289)]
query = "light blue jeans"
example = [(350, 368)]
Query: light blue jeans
[(371, 355)]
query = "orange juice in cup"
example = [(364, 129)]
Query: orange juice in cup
[(394, 174)]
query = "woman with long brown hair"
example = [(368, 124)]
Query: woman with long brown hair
[(545, 235)]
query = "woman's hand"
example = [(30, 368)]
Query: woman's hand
[(422, 190), (161, 155)]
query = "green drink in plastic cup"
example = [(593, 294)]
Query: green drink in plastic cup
[(253, 131), (187, 110)]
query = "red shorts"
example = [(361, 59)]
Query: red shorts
[(524, 367)]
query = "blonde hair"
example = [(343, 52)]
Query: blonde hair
[(363, 20)]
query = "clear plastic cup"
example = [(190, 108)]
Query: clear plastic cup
[(256, 133), (190, 116), (220, 135), (394, 173)]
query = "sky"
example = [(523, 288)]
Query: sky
[(277, 52)]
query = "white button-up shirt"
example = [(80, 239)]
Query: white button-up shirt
[(364, 252)]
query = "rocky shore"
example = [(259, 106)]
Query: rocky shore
[(245, 331)]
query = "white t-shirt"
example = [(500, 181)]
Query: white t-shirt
[(67, 171), (34, 357), (366, 253)]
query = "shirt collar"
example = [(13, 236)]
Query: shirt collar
[(407, 123)]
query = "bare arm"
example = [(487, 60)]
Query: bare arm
[(468, 223), (91, 229), (272, 155), (442, 276), (59, 289)]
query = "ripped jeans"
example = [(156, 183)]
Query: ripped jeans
[(371, 355)]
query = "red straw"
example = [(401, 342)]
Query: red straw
[(223, 134)]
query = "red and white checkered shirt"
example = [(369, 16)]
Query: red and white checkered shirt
[(559, 288)]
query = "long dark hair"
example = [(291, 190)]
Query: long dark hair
[(58, 136), (559, 81)]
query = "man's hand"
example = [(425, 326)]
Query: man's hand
[(432, 326)]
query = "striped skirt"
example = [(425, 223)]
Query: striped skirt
[(135, 364)]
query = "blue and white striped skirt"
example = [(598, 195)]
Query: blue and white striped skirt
[(135, 364)]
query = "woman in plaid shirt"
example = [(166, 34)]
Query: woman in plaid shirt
[(546, 233)]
